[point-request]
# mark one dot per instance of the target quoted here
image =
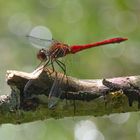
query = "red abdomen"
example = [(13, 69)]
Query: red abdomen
[(77, 48)]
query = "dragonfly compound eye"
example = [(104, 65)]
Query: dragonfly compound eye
[(41, 55)]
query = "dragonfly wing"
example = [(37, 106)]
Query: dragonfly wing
[(52, 102), (26, 88), (38, 42), (55, 92)]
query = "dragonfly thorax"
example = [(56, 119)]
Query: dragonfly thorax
[(41, 55), (58, 50)]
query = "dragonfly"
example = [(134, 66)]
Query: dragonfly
[(57, 50)]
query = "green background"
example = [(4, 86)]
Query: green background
[(73, 22)]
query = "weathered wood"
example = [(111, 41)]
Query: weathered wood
[(79, 97)]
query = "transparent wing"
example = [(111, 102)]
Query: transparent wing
[(39, 43), (40, 36), (56, 91)]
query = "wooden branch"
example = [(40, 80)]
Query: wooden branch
[(79, 97)]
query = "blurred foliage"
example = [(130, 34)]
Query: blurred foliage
[(72, 22)]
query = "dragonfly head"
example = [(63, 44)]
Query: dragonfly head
[(42, 55)]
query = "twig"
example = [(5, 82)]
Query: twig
[(79, 97)]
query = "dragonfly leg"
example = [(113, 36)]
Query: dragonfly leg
[(46, 63), (39, 64), (62, 66), (52, 65), (49, 62)]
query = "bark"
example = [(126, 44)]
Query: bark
[(79, 97)]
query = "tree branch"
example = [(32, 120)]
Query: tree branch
[(79, 97)]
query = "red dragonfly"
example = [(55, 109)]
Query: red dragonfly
[(57, 50)]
